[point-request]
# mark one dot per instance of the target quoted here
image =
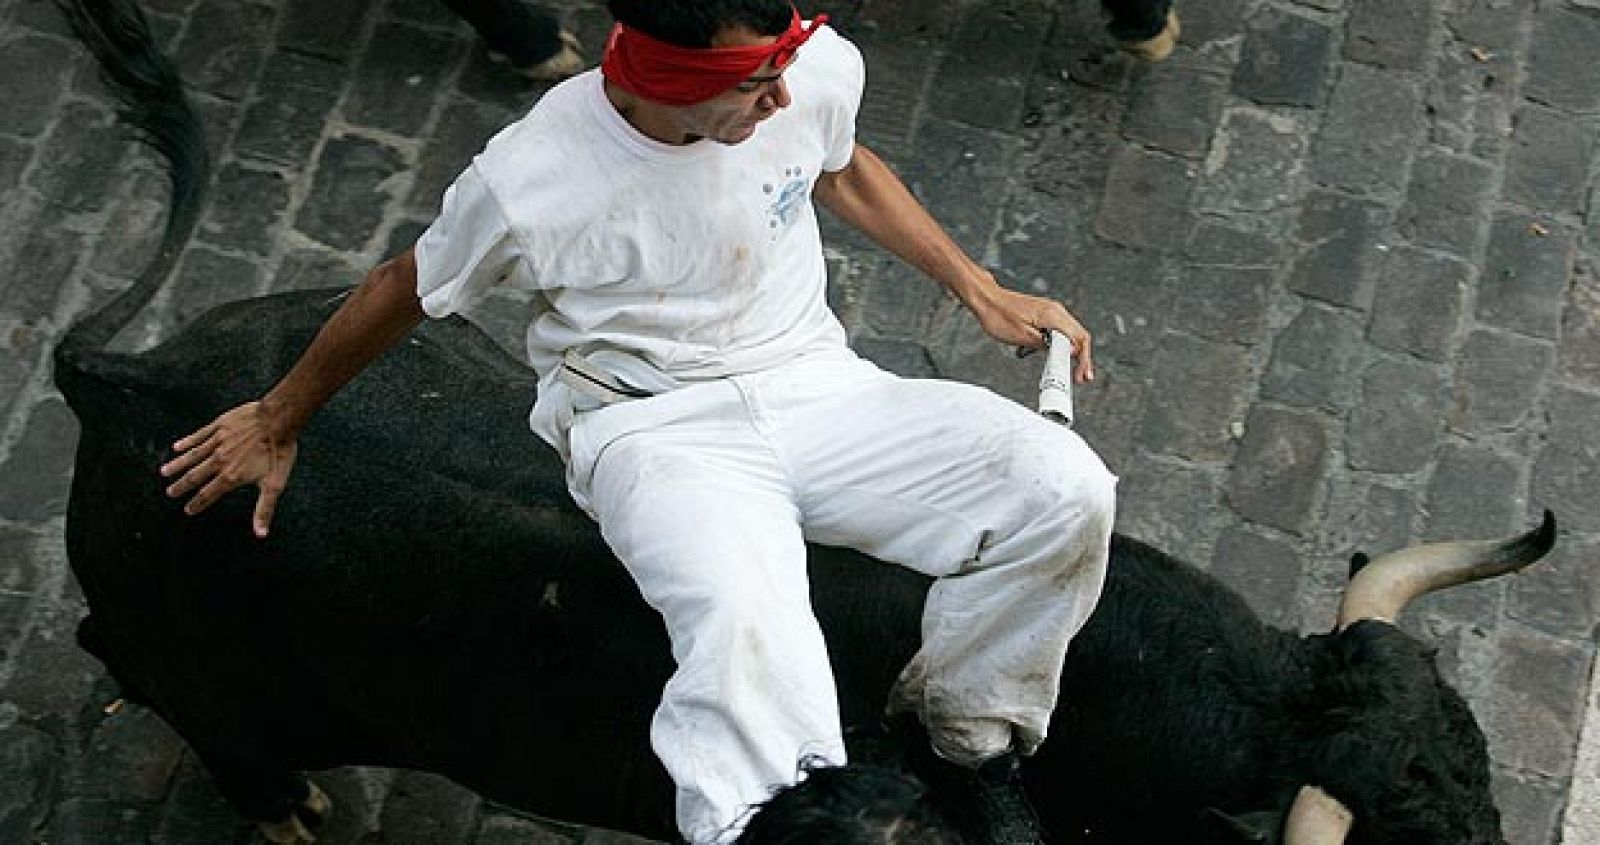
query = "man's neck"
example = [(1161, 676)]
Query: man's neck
[(647, 117)]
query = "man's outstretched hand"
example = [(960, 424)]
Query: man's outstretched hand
[(235, 449)]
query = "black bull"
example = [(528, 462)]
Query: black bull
[(430, 598)]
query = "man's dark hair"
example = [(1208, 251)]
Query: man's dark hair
[(693, 23), (850, 805)]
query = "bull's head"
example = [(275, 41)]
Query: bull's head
[(1420, 772)]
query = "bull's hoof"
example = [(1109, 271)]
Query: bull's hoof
[(566, 63), (1159, 46), (306, 817)]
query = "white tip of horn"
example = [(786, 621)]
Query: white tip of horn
[(1317, 818)]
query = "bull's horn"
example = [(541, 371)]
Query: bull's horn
[(1316, 818), (1386, 585)]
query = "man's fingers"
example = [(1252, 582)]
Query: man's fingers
[(189, 458), (194, 478), (266, 506), (186, 443), (208, 495)]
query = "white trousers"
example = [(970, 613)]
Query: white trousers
[(708, 493)]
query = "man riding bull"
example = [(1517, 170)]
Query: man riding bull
[(713, 419)]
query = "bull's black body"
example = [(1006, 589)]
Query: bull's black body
[(431, 598)]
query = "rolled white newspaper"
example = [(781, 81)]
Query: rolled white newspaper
[(1055, 383)]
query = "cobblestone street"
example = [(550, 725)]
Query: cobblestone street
[(1341, 258)]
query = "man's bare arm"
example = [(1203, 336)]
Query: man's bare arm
[(255, 443), (868, 195)]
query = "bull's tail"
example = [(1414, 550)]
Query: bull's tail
[(153, 103)]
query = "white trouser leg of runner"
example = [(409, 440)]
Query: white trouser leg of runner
[(705, 492), (693, 502)]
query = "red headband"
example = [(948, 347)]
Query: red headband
[(682, 76)]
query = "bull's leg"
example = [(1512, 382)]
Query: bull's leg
[(286, 806)]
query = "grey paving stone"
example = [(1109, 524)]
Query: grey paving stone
[(1524, 275), (1579, 358), (1474, 494), (1279, 471), (501, 829), (196, 814), (1444, 207), (246, 209), (1561, 67), (1268, 569), (1256, 163), (33, 72), (1041, 238), (40, 16), (1491, 24), (1122, 296), (1363, 517), (14, 157), (1204, 23), (1530, 807), (90, 821), (133, 231), (424, 809), (961, 171), (1223, 303), (1371, 126), (330, 30), (222, 45), (1176, 106), (1342, 237), (908, 18), (1547, 148), (399, 77), (205, 279), (1109, 410), (1314, 358), (53, 678), (1387, 34), (39, 469), (310, 269), (1146, 200), (1171, 505), (347, 195), (22, 570), (357, 794), (1566, 475), (293, 99), (73, 160), (1419, 303), (897, 301), (1560, 595), (987, 61), (1403, 405), (1200, 388), (1532, 716), (131, 757), (1215, 244), (1285, 60), (427, 12), (32, 763), (901, 67), (1499, 378), (1070, 154), (40, 266), (1465, 92), (464, 128)]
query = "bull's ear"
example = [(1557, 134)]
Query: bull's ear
[(1261, 826)]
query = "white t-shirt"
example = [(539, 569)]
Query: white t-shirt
[(673, 263)]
